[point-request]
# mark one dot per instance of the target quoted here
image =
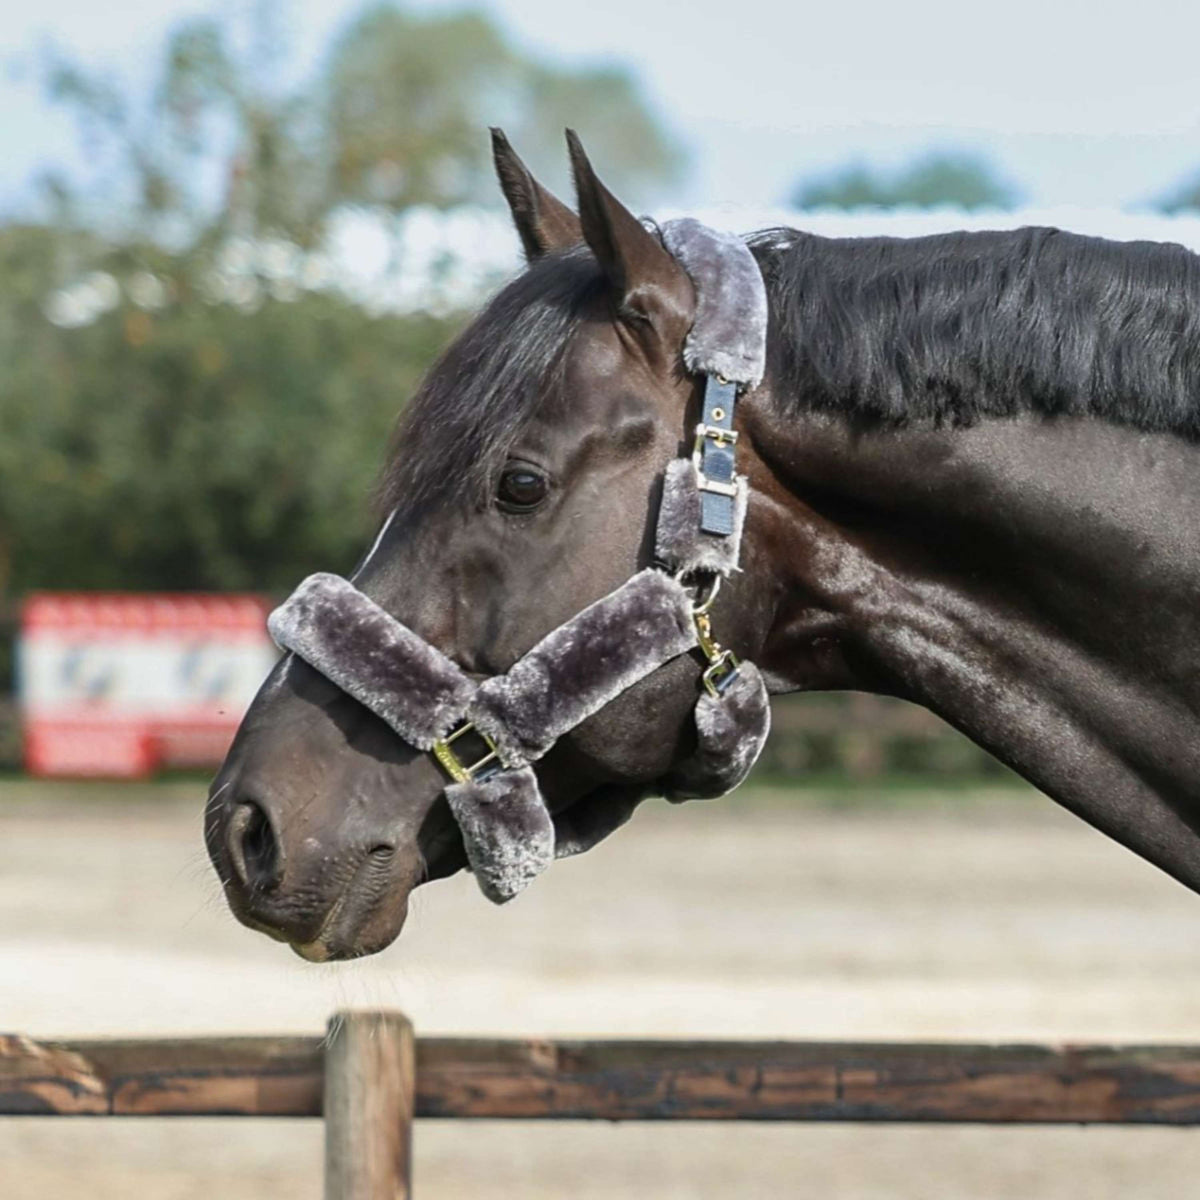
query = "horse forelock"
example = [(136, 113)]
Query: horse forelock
[(456, 431)]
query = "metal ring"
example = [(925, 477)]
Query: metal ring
[(701, 606)]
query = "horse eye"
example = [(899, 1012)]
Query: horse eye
[(521, 489)]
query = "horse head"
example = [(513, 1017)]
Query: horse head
[(525, 483)]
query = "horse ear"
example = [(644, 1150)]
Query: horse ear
[(543, 221), (649, 282)]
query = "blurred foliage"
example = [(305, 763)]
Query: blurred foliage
[(864, 737), (197, 445), (176, 410), (236, 139), (957, 180), (1184, 197), (451, 76)]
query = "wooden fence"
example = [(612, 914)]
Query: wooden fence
[(369, 1077)]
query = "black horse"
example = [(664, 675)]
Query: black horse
[(975, 484)]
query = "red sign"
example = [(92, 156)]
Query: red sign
[(119, 684)]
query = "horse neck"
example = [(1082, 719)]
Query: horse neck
[(1032, 581)]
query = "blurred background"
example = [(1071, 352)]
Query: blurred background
[(232, 237)]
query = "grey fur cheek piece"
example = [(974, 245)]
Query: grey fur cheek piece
[(506, 828), (576, 669), (729, 332), (370, 655), (679, 540), (731, 730)]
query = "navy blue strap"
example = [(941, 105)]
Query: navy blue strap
[(714, 457)]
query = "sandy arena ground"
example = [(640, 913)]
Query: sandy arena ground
[(981, 915)]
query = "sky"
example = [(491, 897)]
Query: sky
[(1090, 104)]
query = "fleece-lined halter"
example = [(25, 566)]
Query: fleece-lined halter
[(487, 735)]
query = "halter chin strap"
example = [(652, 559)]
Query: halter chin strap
[(486, 735)]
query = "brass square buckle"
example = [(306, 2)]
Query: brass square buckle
[(459, 771)]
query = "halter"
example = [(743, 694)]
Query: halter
[(487, 735)]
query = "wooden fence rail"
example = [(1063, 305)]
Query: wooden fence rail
[(369, 1077)]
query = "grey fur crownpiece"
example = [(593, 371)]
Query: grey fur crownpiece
[(729, 332), (679, 541), (731, 730), (399, 676), (507, 831), (576, 669)]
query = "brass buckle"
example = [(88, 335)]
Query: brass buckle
[(715, 485), (723, 437), (460, 772)]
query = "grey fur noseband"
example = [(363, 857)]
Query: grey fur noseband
[(589, 660)]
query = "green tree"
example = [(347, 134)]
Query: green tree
[(236, 139), (173, 443), (408, 97), (1183, 197), (956, 180), (169, 420)]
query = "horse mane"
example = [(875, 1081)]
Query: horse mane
[(957, 327), (948, 329)]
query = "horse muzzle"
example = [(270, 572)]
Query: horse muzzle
[(327, 902), (332, 880)]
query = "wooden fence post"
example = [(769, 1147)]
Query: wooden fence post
[(369, 1085)]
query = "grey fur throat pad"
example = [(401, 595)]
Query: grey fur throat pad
[(729, 331)]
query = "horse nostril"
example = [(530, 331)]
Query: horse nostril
[(254, 848)]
